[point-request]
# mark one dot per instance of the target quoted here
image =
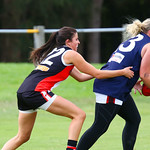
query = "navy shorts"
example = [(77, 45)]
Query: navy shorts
[(31, 101)]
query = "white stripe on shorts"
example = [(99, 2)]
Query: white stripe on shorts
[(49, 100), (44, 106), (28, 111)]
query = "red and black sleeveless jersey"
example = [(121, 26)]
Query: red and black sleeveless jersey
[(49, 73)]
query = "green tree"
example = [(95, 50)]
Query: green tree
[(95, 47), (94, 50), (115, 13), (25, 14)]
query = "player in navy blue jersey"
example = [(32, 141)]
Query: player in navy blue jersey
[(55, 61), (113, 95)]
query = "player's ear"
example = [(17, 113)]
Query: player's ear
[(67, 42)]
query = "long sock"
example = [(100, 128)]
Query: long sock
[(71, 145)]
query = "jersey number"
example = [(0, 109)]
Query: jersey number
[(51, 55), (131, 45)]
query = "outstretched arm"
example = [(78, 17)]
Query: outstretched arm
[(72, 57), (79, 76)]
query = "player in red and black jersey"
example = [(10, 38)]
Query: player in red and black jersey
[(55, 61)]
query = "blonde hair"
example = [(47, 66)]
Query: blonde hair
[(135, 27)]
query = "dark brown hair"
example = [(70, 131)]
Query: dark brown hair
[(56, 39)]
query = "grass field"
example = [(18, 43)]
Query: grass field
[(50, 131)]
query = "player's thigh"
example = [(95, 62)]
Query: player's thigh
[(26, 123), (129, 111), (63, 107)]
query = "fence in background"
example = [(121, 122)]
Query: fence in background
[(40, 31)]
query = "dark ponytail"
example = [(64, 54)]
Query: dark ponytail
[(56, 39), (37, 55)]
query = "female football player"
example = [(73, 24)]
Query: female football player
[(113, 95), (55, 61)]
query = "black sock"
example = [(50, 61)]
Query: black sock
[(71, 145)]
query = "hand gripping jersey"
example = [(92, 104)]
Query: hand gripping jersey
[(49, 73), (127, 54)]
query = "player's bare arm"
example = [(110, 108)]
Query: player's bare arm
[(145, 63), (79, 76), (73, 57)]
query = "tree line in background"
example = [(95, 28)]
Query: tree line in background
[(54, 14)]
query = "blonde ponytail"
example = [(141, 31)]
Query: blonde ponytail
[(146, 25), (135, 27), (132, 29)]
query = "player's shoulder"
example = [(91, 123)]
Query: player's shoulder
[(146, 48), (72, 57), (72, 53), (148, 45)]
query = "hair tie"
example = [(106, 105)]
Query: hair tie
[(57, 33)]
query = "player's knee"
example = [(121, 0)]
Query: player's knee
[(129, 144), (81, 115), (137, 121), (23, 138)]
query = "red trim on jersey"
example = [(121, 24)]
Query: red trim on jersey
[(110, 99), (71, 147), (107, 101), (49, 82)]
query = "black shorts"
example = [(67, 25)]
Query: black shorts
[(34, 100)]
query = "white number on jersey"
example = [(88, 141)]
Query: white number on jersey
[(51, 55), (131, 45)]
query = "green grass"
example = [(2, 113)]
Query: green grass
[(51, 131)]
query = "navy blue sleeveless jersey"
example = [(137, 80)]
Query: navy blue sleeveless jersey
[(49, 73), (127, 54)]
